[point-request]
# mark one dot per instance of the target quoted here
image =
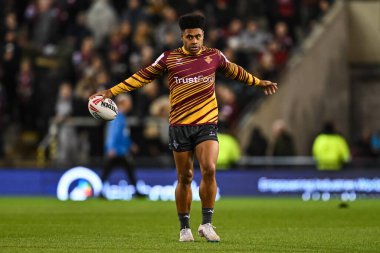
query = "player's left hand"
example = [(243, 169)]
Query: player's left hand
[(269, 87)]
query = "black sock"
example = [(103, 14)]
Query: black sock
[(207, 215), (184, 220)]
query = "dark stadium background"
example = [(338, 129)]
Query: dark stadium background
[(55, 53)]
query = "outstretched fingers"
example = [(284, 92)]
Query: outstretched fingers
[(270, 88)]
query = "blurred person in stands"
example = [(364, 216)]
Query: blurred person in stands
[(362, 146), (78, 30), (228, 107), (156, 128), (43, 19), (67, 135), (84, 57), (253, 39), (375, 142), (258, 143), (330, 149), (229, 151), (118, 144), (10, 58), (267, 66), (25, 90), (193, 116), (145, 97), (2, 120), (101, 20), (168, 26), (134, 13), (283, 141)]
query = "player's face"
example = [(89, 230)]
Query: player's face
[(193, 39)]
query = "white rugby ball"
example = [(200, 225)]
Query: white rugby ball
[(102, 109)]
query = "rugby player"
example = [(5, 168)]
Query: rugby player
[(193, 115)]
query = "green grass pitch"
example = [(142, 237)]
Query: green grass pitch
[(244, 224)]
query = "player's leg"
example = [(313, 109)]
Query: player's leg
[(183, 195), (109, 164), (207, 154), (129, 168)]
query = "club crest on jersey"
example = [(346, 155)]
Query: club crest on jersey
[(208, 59)]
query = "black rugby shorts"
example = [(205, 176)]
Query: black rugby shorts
[(185, 138)]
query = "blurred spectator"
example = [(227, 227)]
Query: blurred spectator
[(134, 13), (229, 151), (119, 145), (155, 9), (252, 38), (102, 20), (102, 80), (145, 97), (143, 35), (223, 13), (2, 121), (283, 141), (227, 106), (83, 58), (79, 30), (44, 23), (282, 37), (160, 108), (67, 137), (93, 43), (10, 24), (280, 56), (362, 147), (187, 6), (117, 67), (84, 88), (267, 67), (258, 143), (25, 90), (250, 8), (10, 54), (232, 34), (375, 142), (287, 11), (330, 149), (169, 27), (215, 39)]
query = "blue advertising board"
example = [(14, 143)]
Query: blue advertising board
[(80, 183)]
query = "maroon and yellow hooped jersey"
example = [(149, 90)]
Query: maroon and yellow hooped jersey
[(191, 83)]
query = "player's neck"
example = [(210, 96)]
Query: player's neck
[(188, 52)]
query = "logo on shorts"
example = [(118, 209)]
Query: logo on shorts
[(212, 133), (175, 144)]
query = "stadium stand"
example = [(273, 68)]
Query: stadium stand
[(92, 45)]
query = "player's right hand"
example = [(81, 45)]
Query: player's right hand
[(104, 93)]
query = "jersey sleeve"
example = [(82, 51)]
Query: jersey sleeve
[(236, 72), (142, 77)]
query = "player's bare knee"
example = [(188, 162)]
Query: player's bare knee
[(186, 177), (208, 173)]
